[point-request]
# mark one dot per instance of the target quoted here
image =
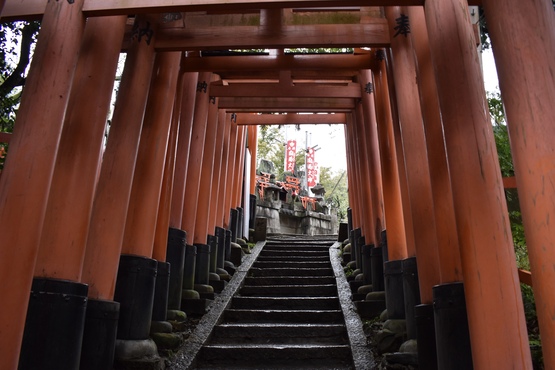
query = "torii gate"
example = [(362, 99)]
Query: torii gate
[(426, 146)]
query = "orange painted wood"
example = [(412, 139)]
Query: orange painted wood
[(524, 55), (232, 158), (192, 183), (261, 104), (204, 198), (403, 184), (252, 135), (217, 174), (279, 90), (164, 208), (373, 154), (142, 213), (509, 182), (450, 269), (487, 255), (113, 189), (246, 37), (222, 210), (239, 166), (183, 144), (525, 277), (354, 178), (277, 63), (27, 174), (350, 170), (394, 221), (355, 175), (365, 183), (5, 137), (64, 233), (419, 188), (290, 119), (33, 9)]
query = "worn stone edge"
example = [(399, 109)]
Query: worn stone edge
[(186, 356), (362, 356)]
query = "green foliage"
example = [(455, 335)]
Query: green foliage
[(17, 40), (336, 195)]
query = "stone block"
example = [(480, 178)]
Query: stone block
[(260, 229), (369, 309), (194, 306)]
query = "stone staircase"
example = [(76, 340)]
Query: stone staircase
[(285, 314)]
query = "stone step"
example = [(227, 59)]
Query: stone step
[(297, 247), (292, 264), (283, 316), (289, 290), (286, 303), (291, 253), (289, 280), (273, 333), (276, 259), (290, 271), (293, 356)]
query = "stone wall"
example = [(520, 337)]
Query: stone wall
[(294, 219)]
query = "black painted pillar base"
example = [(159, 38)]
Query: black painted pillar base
[(252, 210), (411, 293), (240, 222), (376, 259), (349, 223), (233, 224), (451, 327), (134, 291), (54, 326), (189, 291), (162, 286), (394, 296), (367, 264), (99, 337), (425, 336), (383, 244), (175, 255)]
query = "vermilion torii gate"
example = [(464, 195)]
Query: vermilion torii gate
[(421, 155)]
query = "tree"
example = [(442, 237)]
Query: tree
[(17, 41), (336, 195)]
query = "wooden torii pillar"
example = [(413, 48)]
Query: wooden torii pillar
[(353, 174), (372, 151), (365, 180), (525, 67), (111, 200), (252, 145), (415, 158), (394, 218), (164, 209), (400, 155), (192, 183), (189, 81), (64, 233), (204, 196), (222, 210), (144, 201), (492, 290), (239, 166), (26, 176), (232, 158), (218, 172), (446, 228)]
